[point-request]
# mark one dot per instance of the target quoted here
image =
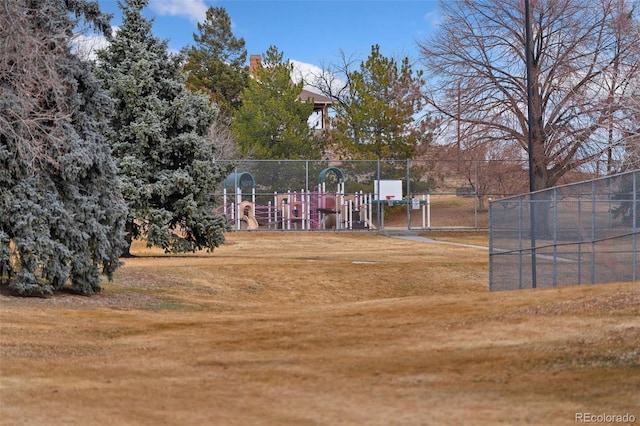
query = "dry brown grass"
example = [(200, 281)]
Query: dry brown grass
[(319, 328), (478, 238), (447, 211)]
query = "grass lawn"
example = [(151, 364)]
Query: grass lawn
[(319, 329)]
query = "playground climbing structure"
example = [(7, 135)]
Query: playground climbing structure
[(317, 209)]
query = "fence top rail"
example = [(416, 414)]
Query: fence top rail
[(569, 185)]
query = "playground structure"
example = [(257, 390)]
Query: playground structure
[(316, 209)]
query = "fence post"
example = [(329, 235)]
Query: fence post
[(555, 236), (237, 207), (593, 232), (476, 199), (408, 194), (379, 206), (520, 246), (532, 235), (491, 255), (580, 240), (634, 225)]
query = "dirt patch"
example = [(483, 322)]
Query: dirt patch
[(319, 328)]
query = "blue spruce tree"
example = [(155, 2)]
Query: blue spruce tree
[(158, 136), (61, 209)]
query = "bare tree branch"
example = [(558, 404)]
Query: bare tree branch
[(585, 59), (33, 93)]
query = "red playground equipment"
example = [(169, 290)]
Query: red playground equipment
[(303, 210)]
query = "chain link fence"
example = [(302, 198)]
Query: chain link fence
[(374, 195), (583, 233)]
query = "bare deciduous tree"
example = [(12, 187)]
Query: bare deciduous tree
[(35, 98), (225, 143), (333, 79), (584, 62), (61, 209), (30, 86)]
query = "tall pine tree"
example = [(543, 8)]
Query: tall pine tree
[(157, 134), (272, 122), (378, 108), (62, 213), (216, 64)]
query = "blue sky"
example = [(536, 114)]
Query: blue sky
[(309, 31)]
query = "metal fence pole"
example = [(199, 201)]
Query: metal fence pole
[(491, 254), (306, 170), (520, 246), (408, 177), (593, 232), (476, 200), (379, 206), (634, 225), (555, 236), (580, 241)]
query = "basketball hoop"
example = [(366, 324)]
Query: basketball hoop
[(390, 199)]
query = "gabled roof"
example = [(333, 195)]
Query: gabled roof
[(305, 95)]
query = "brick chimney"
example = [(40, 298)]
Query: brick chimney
[(254, 64)]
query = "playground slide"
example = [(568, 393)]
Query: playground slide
[(246, 214), (252, 223), (329, 221)]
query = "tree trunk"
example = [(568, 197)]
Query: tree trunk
[(128, 236), (541, 201)]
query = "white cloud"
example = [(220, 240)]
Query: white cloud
[(309, 73), (305, 72), (86, 46), (433, 18), (195, 10)]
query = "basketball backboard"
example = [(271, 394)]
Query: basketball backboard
[(387, 190)]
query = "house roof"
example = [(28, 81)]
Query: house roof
[(305, 95)]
